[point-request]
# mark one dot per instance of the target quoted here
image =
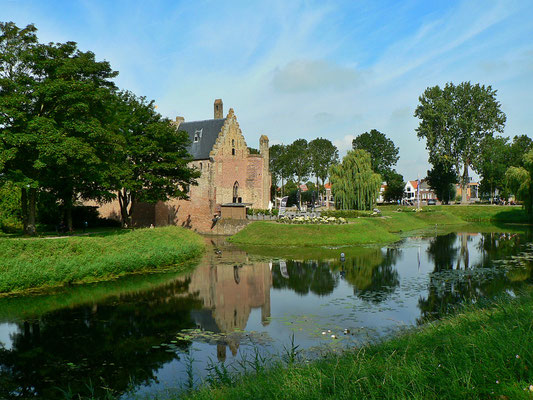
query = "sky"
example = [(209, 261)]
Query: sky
[(303, 69)]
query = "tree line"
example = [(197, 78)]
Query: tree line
[(355, 181), (68, 133)]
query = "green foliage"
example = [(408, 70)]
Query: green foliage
[(353, 183), (483, 351), (493, 161), (395, 187), (152, 164), (455, 120), (520, 182), (383, 153), (253, 150), (518, 148), (298, 159), (10, 218), (33, 263), (323, 155), (442, 179), (256, 211)]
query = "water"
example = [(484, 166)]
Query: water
[(145, 332)]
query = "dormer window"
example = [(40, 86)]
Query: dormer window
[(198, 135)]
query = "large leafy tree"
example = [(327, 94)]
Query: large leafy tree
[(279, 167), (494, 159), (298, 161), (518, 148), (353, 183), (383, 153), (323, 155), (442, 179), (455, 120), (395, 187), (153, 162), (77, 142), (520, 182), (18, 110)]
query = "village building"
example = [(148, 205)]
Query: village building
[(412, 188), (472, 191), (230, 175)]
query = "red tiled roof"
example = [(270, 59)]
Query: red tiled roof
[(414, 184), (327, 185)]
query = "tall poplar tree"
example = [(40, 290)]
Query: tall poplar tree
[(455, 120)]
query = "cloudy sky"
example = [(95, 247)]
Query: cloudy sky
[(303, 69)]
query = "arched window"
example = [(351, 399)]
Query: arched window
[(235, 191), (233, 142), (232, 152)]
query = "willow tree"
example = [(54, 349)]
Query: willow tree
[(353, 183)]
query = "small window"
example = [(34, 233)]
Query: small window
[(196, 138), (233, 152), (200, 166), (198, 135), (233, 142)]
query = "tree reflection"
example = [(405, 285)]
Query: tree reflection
[(304, 277), (451, 286), (373, 275), (104, 345)]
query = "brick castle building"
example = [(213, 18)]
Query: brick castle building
[(229, 174)]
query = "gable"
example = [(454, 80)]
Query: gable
[(202, 136)]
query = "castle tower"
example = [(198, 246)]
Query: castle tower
[(219, 110), (265, 153)]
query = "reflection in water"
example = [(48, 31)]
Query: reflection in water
[(115, 340), (455, 279)]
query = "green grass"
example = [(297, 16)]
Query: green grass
[(37, 263), (376, 230), (475, 354)]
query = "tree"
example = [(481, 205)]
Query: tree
[(77, 142), (353, 183), (298, 161), (278, 164), (153, 163), (455, 120), (442, 179), (383, 153), (520, 182), (494, 159), (395, 187), (18, 108), (518, 148), (323, 155)]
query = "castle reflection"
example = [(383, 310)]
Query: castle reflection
[(230, 286)]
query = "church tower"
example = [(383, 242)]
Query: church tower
[(219, 111)]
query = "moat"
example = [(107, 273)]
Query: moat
[(149, 333)]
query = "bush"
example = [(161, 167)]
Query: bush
[(341, 213), (255, 211)]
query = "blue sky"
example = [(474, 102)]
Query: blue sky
[(306, 69)]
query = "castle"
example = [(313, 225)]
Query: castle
[(230, 174)]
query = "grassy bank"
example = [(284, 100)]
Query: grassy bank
[(374, 230), (37, 263), (359, 231), (478, 353)]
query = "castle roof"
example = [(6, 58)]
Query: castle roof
[(203, 135)]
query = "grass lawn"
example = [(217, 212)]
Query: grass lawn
[(45, 262), (475, 354), (378, 230)]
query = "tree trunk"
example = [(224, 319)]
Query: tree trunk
[(464, 184), (30, 229), (24, 207), (67, 203), (123, 201), (491, 194)]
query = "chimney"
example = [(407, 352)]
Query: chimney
[(219, 112), (179, 120)]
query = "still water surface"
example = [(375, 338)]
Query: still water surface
[(144, 332)]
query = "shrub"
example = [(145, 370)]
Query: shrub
[(341, 213)]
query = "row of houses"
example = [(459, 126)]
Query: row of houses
[(411, 190)]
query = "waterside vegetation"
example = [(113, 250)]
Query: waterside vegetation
[(38, 263), (477, 353), (391, 224)]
